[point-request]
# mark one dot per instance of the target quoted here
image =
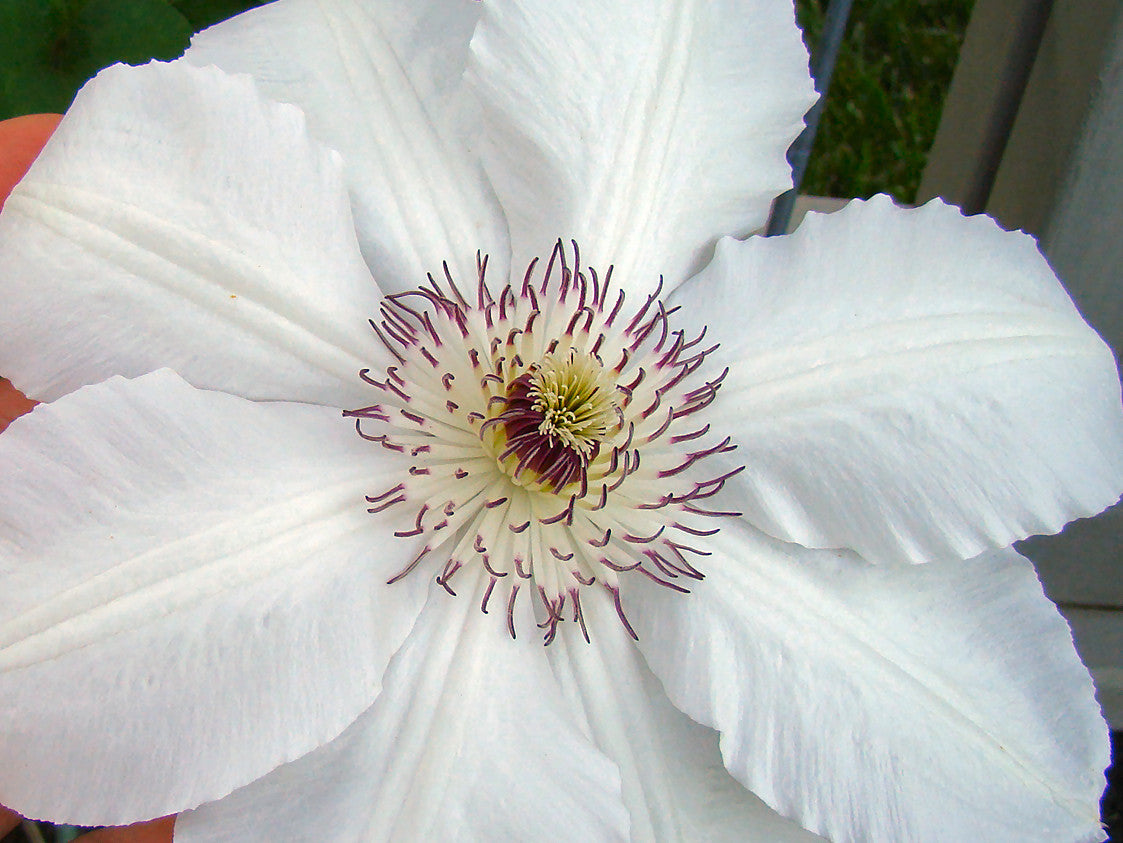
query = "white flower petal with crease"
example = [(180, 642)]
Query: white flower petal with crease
[(675, 786), (910, 703), (644, 131), (471, 740), (380, 82), (178, 219), (913, 385), (192, 595)]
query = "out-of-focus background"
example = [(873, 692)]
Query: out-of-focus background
[(1009, 107)]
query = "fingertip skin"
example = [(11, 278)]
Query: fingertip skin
[(154, 831), (21, 139), (13, 404), (9, 819)]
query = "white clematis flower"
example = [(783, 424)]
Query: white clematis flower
[(706, 496)]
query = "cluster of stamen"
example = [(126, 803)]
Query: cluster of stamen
[(548, 438), (553, 421)]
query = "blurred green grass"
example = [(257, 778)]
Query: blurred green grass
[(884, 104)]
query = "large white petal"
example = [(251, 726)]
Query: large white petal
[(643, 130), (471, 740), (380, 82), (910, 384), (178, 219), (675, 785), (194, 593), (877, 703)]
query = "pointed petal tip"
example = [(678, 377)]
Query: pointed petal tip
[(962, 685), (996, 405)]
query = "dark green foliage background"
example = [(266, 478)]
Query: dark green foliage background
[(885, 99), (49, 48)]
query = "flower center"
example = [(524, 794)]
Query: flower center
[(546, 438), (554, 420)]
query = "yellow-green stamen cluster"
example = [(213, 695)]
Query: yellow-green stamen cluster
[(575, 400)]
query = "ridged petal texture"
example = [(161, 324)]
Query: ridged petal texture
[(471, 741), (674, 783), (643, 130), (939, 702), (913, 385), (191, 596), (380, 81), (177, 218)]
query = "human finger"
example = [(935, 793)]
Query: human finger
[(154, 831), (8, 820), (13, 404), (21, 138)]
